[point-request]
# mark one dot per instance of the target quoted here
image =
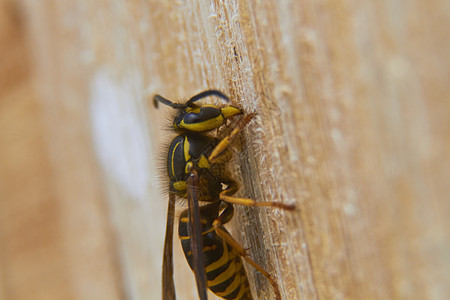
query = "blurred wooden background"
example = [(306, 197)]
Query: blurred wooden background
[(353, 126)]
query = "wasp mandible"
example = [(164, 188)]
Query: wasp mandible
[(196, 169)]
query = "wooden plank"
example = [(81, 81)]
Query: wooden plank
[(352, 126), (55, 237)]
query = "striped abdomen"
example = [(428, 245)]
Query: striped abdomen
[(225, 273)]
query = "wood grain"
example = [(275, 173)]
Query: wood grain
[(352, 100)]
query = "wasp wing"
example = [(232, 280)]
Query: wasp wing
[(168, 287), (195, 233)]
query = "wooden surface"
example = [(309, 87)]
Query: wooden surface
[(353, 127), (56, 240)]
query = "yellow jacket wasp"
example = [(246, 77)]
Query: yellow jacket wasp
[(196, 167)]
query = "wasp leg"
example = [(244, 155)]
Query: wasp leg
[(225, 217), (226, 141), (233, 187)]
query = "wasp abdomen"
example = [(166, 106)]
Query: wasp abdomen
[(225, 273)]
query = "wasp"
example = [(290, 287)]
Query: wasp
[(196, 169)]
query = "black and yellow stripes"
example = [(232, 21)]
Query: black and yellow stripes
[(224, 269), (183, 149), (175, 158), (205, 118), (226, 277)]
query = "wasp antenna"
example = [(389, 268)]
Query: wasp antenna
[(159, 98), (155, 102), (206, 94)]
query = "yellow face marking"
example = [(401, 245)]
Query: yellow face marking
[(229, 111), (232, 269), (205, 125)]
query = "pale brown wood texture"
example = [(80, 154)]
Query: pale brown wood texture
[(353, 127), (55, 237)]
